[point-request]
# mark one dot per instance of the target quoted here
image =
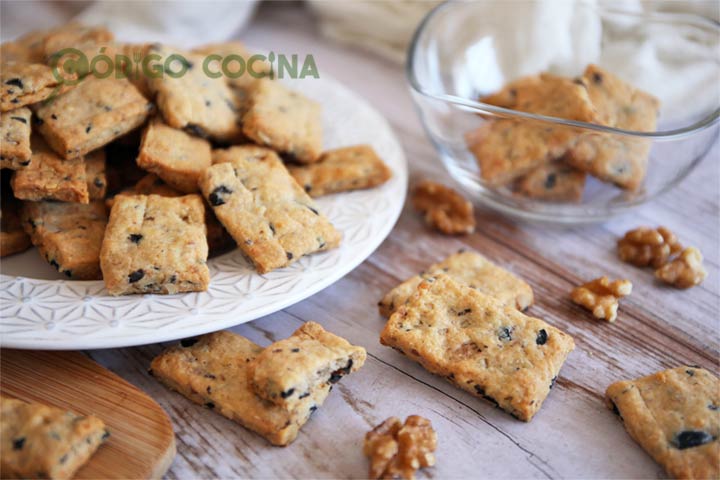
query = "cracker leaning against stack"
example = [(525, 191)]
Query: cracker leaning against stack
[(234, 162), (552, 162)]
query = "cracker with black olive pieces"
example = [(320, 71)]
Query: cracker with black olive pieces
[(40, 441), (675, 417), (342, 170), (219, 240), (506, 149), (155, 244), (91, 115), (50, 177), (212, 370), (15, 138), (194, 101), (27, 83), (490, 350), (619, 159), (284, 120), (13, 238), (68, 235), (471, 269), (174, 155), (95, 174), (268, 214), (289, 370), (555, 182)]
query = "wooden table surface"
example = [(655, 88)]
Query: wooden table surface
[(573, 435)]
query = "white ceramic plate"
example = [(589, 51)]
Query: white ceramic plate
[(38, 310)]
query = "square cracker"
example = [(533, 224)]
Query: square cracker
[(174, 155), (213, 371), (15, 138), (490, 350), (39, 441), (341, 170), (219, 240), (91, 115), (270, 217), (284, 120), (555, 182), (27, 83), (68, 235), (49, 177), (618, 159), (155, 244), (289, 370), (675, 417), (471, 269), (507, 148), (202, 105)]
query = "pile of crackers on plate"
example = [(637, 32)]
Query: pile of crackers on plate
[(549, 161), (185, 165)]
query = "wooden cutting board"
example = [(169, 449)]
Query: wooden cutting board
[(142, 442)]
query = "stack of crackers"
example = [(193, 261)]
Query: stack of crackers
[(550, 161), (204, 164)]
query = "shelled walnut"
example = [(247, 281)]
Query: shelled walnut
[(444, 208), (601, 296), (645, 246), (685, 271), (396, 450)]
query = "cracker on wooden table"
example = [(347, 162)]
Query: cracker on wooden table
[(488, 349), (675, 417), (471, 269), (289, 370), (212, 370)]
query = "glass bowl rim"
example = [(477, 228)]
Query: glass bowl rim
[(480, 107)]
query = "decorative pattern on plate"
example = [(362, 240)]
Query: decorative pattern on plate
[(60, 314)]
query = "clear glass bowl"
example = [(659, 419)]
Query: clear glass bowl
[(463, 51)]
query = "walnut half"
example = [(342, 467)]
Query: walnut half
[(645, 246), (444, 208), (601, 296), (685, 271), (396, 450)]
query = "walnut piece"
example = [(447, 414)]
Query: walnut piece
[(601, 296), (396, 450), (645, 246), (685, 271), (444, 208)]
